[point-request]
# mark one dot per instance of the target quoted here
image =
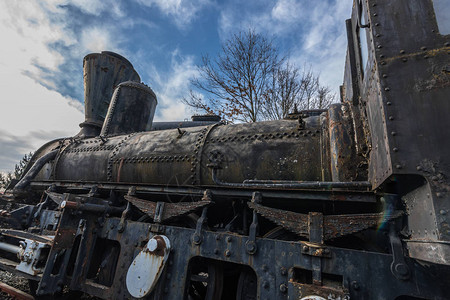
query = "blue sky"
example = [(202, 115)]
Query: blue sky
[(44, 42)]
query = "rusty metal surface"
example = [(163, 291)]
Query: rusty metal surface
[(15, 293), (295, 222), (131, 109), (102, 73), (26, 235), (388, 137), (167, 157), (333, 225), (169, 210)]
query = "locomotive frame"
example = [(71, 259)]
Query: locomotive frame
[(376, 160)]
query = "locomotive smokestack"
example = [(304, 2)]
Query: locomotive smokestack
[(102, 73)]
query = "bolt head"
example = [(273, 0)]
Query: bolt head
[(197, 239), (401, 269), (283, 288), (152, 245)]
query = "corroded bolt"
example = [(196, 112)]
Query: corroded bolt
[(227, 253), (228, 239), (283, 288), (283, 271), (305, 248), (152, 245), (196, 239)]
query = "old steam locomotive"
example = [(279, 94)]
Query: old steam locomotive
[(346, 203)]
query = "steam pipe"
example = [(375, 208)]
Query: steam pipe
[(273, 184), (9, 248), (34, 170)]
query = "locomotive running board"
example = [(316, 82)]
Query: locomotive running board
[(319, 195)]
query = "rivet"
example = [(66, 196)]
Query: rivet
[(227, 253), (443, 212), (375, 14), (378, 35), (439, 195), (389, 103), (266, 284), (387, 89), (423, 48), (418, 168), (395, 149), (383, 63), (393, 133), (283, 288), (228, 239), (446, 44), (283, 271), (217, 237), (402, 51), (426, 56), (384, 75), (398, 166), (216, 251), (404, 59), (305, 248), (391, 118), (377, 24), (374, 4)]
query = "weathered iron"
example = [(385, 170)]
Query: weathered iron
[(345, 203)]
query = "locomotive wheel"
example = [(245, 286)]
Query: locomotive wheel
[(247, 286), (205, 282)]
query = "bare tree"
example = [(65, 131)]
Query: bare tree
[(324, 97), (248, 82), (291, 89), (237, 81)]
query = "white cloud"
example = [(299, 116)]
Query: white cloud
[(172, 87), (182, 12), (97, 39), (31, 114)]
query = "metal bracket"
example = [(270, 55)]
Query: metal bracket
[(315, 250), (158, 212), (250, 245), (29, 255), (197, 237), (398, 266), (315, 227), (125, 213)]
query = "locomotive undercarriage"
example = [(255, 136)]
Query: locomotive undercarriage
[(87, 235)]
